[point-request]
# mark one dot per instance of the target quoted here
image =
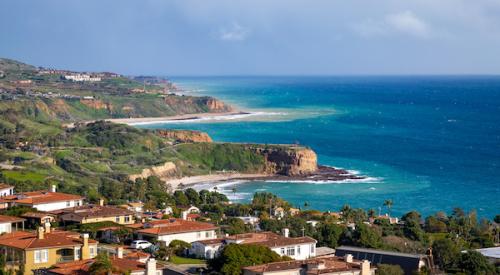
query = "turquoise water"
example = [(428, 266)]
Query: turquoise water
[(427, 143)]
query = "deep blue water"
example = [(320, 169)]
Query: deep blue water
[(433, 143)]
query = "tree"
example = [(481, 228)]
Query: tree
[(387, 269), (236, 226), (388, 204), (328, 234), (234, 256), (497, 218), (101, 265), (474, 262), (179, 246), (366, 236), (193, 196), (164, 252), (445, 253), (180, 198), (412, 228), (433, 225)]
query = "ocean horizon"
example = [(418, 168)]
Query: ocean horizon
[(429, 143)]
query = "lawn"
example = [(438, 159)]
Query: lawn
[(24, 175), (181, 260)]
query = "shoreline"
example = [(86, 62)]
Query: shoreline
[(177, 118)]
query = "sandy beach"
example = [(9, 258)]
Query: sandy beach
[(176, 118), (213, 178)]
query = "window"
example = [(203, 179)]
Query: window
[(127, 218), (92, 252), (77, 253), (77, 203), (68, 203), (198, 234), (298, 250), (312, 248), (282, 251), (290, 251), (41, 256), (117, 219), (207, 234)]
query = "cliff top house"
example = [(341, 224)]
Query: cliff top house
[(6, 190), (178, 229), (96, 213), (8, 222)]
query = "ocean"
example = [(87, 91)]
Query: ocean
[(429, 143)]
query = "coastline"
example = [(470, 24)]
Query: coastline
[(178, 118)]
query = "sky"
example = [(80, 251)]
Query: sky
[(255, 37)]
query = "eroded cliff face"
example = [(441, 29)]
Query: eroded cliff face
[(184, 136), (168, 169), (217, 106), (97, 104), (291, 161)]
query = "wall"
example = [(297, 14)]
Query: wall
[(6, 192), (5, 227), (57, 205), (111, 219), (305, 251), (187, 237)]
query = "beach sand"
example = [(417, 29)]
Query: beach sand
[(213, 178), (150, 120)]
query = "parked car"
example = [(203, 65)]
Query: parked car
[(140, 244)]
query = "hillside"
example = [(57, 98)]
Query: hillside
[(74, 96)]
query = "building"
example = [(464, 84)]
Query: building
[(294, 211), (299, 248), (44, 248), (408, 262), (137, 207), (96, 213), (250, 220), (279, 212), (177, 229), (34, 219), (325, 266), (8, 223), (43, 200), (82, 78), (186, 212), (121, 264), (6, 190)]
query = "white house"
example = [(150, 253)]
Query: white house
[(82, 77), (185, 211), (177, 229), (7, 223), (299, 248), (44, 200), (6, 190)]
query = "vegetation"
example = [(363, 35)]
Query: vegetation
[(183, 260), (386, 269)]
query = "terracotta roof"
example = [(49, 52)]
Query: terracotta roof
[(38, 215), (82, 267), (5, 186), (29, 240), (311, 266), (39, 197), (213, 241), (269, 239), (174, 226), (93, 211), (10, 219)]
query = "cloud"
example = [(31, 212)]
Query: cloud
[(234, 33), (407, 22)]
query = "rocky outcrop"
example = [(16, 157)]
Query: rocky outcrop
[(289, 161), (184, 136), (168, 169), (217, 106)]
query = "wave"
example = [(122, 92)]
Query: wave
[(363, 180)]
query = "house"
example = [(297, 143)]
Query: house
[(186, 211), (408, 262), (34, 219), (96, 213), (122, 264), (250, 220), (300, 248), (6, 190), (9, 222), (82, 77), (136, 207), (46, 200), (177, 229), (491, 253), (279, 212), (294, 211), (44, 248), (326, 266)]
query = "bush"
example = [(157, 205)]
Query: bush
[(387, 269)]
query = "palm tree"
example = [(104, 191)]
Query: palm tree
[(234, 191), (306, 204), (215, 189), (371, 213), (388, 204), (101, 265)]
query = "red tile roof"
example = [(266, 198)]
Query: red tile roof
[(5, 186), (29, 240), (40, 197), (82, 267), (10, 219), (80, 213), (174, 226), (311, 266)]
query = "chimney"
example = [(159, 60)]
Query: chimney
[(365, 268), (101, 202), (151, 267), (119, 252), (348, 258), (47, 227), (286, 232), (85, 247), (40, 234), (53, 188), (184, 215)]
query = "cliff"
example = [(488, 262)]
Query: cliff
[(168, 169), (289, 161), (183, 136)]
